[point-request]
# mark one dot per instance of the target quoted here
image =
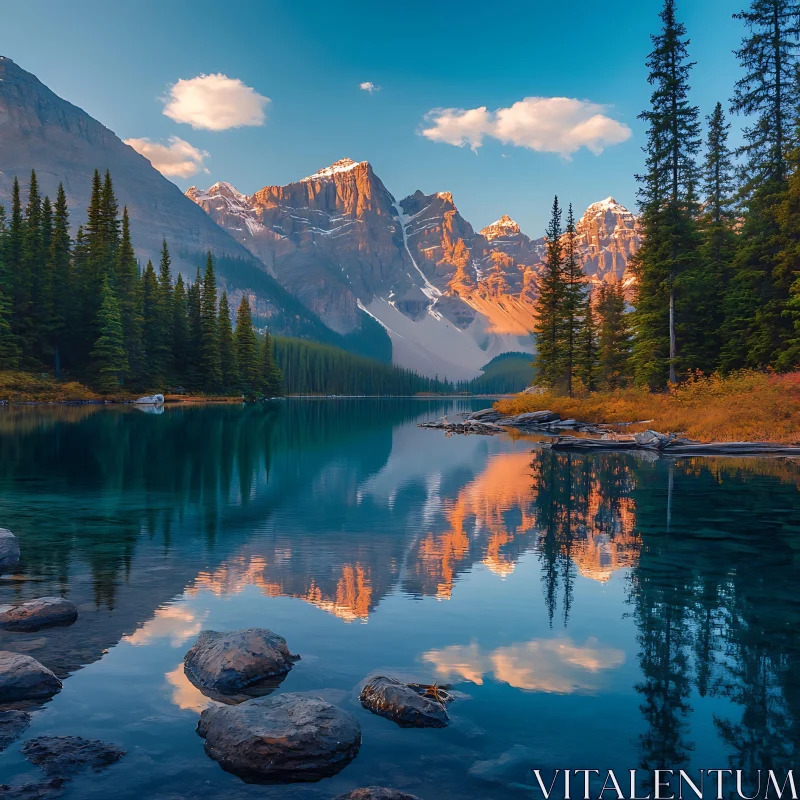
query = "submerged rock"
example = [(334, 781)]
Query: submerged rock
[(281, 739), (377, 793), (229, 662), (12, 725), (24, 678), (403, 704), (63, 756), (33, 791), (9, 550), (35, 614)]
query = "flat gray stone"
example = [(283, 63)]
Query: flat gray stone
[(9, 550), (532, 418), (12, 725), (229, 662), (24, 678), (281, 739), (400, 703), (63, 756), (377, 793), (40, 613)]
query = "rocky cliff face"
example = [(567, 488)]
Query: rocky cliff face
[(608, 235), (450, 298)]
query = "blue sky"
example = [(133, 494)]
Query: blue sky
[(117, 61)]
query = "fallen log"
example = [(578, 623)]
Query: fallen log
[(675, 447)]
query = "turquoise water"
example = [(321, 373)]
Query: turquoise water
[(596, 611)]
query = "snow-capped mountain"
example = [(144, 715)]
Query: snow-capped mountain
[(450, 298)]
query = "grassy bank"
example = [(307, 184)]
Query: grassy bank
[(27, 387), (745, 406)]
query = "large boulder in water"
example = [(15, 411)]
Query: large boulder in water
[(24, 678), (9, 550), (62, 756), (402, 704), (281, 739), (531, 418), (229, 662), (377, 793), (35, 614)]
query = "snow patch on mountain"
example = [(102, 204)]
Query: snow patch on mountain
[(342, 165), (433, 345)]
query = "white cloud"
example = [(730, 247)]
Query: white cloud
[(547, 124), (177, 159), (558, 666), (215, 102), (369, 86)]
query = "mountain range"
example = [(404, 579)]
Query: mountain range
[(333, 256), (449, 297)]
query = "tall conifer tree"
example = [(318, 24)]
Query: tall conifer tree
[(210, 368), (109, 356), (756, 330), (549, 360), (227, 350), (572, 304), (247, 349)]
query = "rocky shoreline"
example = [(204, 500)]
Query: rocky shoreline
[(599, 437)]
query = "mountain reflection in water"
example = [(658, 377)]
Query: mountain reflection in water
[(640, 610)]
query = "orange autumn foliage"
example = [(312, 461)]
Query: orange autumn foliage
[(743, 406)]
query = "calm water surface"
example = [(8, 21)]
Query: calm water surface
[(598, 611)]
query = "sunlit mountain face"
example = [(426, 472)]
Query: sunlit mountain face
[(636, 597)]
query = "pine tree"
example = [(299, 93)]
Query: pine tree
[(109, 356), (227, 350), (272, 379), (10, 351), (613, 339), (44, 309), (756, 330), (165, 312), (549, 357), (768, 93), (247, 349), (194, 375), (128, 286), (153, 339), (572, 304), (668, 199), (706, 287), (587, 347), (788, 266), (179, 330), (16, 287), (210, 368), (60, 268)]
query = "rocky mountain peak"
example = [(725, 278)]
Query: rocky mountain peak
[(338, 167), (505, 226), (219, 189)]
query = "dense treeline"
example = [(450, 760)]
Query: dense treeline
[(87, 308), (718, 275), (504, 374), (312, 368)]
